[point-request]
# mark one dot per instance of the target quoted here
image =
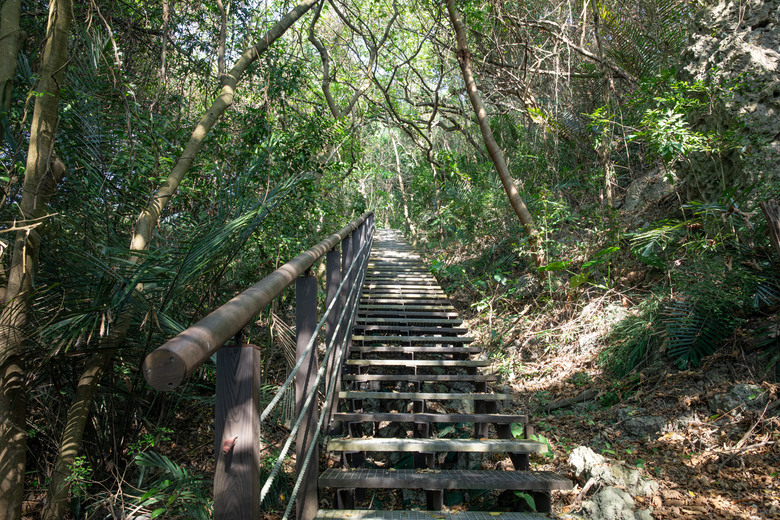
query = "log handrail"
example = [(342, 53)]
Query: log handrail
[(166, 367)]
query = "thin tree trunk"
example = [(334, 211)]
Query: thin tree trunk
[(59, 488), (404, 198), (222, 42), (78, 412), (604, 148), (496, 155), (42, 173), (10, 40)]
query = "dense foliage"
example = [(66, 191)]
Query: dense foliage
[(359, 105)]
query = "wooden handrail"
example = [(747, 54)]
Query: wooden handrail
[(167, 366)]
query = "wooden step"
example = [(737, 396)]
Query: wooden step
[(428, 314), (443, 479), (362, 514), (409, 321), (414, 339), (451, 418), (397, 349), (413, 330), (426, 378), (452, 363), (400, 287), (401, 282), (400, 279), (380, 299), (412, 307), (436, 445), (424, 396), (407, 295)]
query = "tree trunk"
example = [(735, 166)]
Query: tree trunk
[(404, 198), (496, 155), (222, 41), (604, 147), (10, 40), (78, 412), (42, 173)]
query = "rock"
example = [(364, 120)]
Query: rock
[(734, 52), (648, 189), (635, 424), (612, 503), (752, 396), (526, 286), (587, 464), (741, 396), (643, 427)]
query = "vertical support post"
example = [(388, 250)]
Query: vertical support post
[(237, 434), (333, 371), (347, 256), (305, 321)]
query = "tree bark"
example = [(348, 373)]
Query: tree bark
[(496, 155), (10, 41), (404, 198), (222, 40), (78, 412), (43, 172)]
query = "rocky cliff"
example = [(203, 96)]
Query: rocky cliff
[(735, 50)]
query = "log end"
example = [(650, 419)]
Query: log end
[(164, 370)]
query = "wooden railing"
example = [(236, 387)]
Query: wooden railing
[(238, 490)]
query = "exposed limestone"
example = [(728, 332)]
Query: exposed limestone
[(734, 49)]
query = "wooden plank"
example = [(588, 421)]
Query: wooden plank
[(398, 349), (424, 396), (410, 329), (410, 321), (410, 313), (444, 479), (437, 445), (431, 378), (402, 308), (408, 295), (363, 514), (451, 418), (237, 435), (414, 339), (453, 363), (401, 287)]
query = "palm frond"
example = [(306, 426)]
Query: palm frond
[(693, 331)]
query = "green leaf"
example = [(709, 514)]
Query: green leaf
[(529, 499), (578, 279), (554, 266), (156, 513)]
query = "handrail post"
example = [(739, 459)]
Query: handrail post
[(305, 321), (347, 257), (332, 282), (237, 433)]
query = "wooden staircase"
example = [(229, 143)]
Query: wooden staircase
[(409, 358)]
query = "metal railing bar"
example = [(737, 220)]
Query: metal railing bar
[(314, 391), (325, 410), (167, 366), (290, 378)]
